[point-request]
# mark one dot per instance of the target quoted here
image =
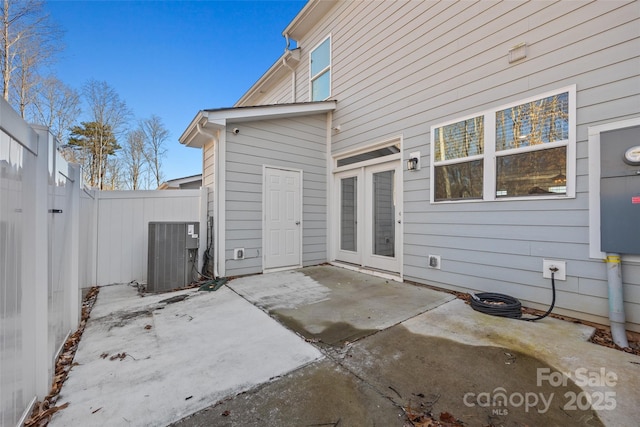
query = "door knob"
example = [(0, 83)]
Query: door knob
[(297, 222)]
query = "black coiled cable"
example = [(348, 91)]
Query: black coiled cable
[(496, 305), (507, 306)]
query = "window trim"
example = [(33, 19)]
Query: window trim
[(327, 69), (490, 153)]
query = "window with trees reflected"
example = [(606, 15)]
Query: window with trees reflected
[(520, 150)]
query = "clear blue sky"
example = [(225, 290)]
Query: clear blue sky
[(172, 58)]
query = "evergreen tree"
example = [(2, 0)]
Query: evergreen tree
[(95, 142)]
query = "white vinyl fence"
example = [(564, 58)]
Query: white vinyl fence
[(123, 226), (56, 238), (39, 293)]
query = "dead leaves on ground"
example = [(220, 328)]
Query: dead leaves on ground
[(43, 411), (426, 419)]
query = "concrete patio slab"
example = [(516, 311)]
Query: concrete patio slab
[(142, 361), (320, 394), (335, 305), (440, 357), (608, 378), (384, 352)]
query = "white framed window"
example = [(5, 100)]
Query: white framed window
[(523, 150), (320, 71)]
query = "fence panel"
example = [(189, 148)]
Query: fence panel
[(56, 238), (17, 327), (123, 228)]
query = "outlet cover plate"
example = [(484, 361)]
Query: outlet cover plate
[(434, 262), (561, 274)]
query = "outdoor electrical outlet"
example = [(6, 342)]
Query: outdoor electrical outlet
[(548, 264), (434, 261), (238, 253)]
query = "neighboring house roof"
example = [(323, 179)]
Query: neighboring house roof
[(185, 182), (207, 122)]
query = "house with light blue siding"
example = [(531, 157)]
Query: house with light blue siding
[(463, 145)]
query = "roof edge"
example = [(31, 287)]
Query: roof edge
[(272, 75), (207, 123), (307, 17)]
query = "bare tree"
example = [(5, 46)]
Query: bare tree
[(113, 178), (111, 115), (56, 106), (156, 134), (28, 41), (134, 159)]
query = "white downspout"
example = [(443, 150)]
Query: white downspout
[(616, 301), (293, 79), (293, 72), (213, 136)]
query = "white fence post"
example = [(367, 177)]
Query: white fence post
[(73, 285), (41, 267)]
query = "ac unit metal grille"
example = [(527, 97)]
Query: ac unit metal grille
[(170, 264)]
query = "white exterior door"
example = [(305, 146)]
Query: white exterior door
[(382, 219), (369, 217), (282, 218)]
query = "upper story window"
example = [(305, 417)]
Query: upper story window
[(320, 71), (525, 149)]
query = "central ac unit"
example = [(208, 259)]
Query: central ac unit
[(173, 255)]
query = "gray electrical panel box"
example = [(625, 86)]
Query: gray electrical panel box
[(620, 190), (173, 255)]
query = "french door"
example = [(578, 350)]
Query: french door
[(369, 217)]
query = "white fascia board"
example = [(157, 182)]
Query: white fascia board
[(200, 130), (204, 126), (308, 17), (274, 74), (266, 112)]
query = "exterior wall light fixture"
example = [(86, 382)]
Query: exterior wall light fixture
[(413, 164)]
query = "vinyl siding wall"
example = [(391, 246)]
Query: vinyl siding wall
[(295, 143), (281, 92), (400, 67)]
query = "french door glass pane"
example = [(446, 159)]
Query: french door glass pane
[(383, 214), (348, 214)]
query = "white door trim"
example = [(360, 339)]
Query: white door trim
[(363, 256), (264, 218), (369, 259)]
